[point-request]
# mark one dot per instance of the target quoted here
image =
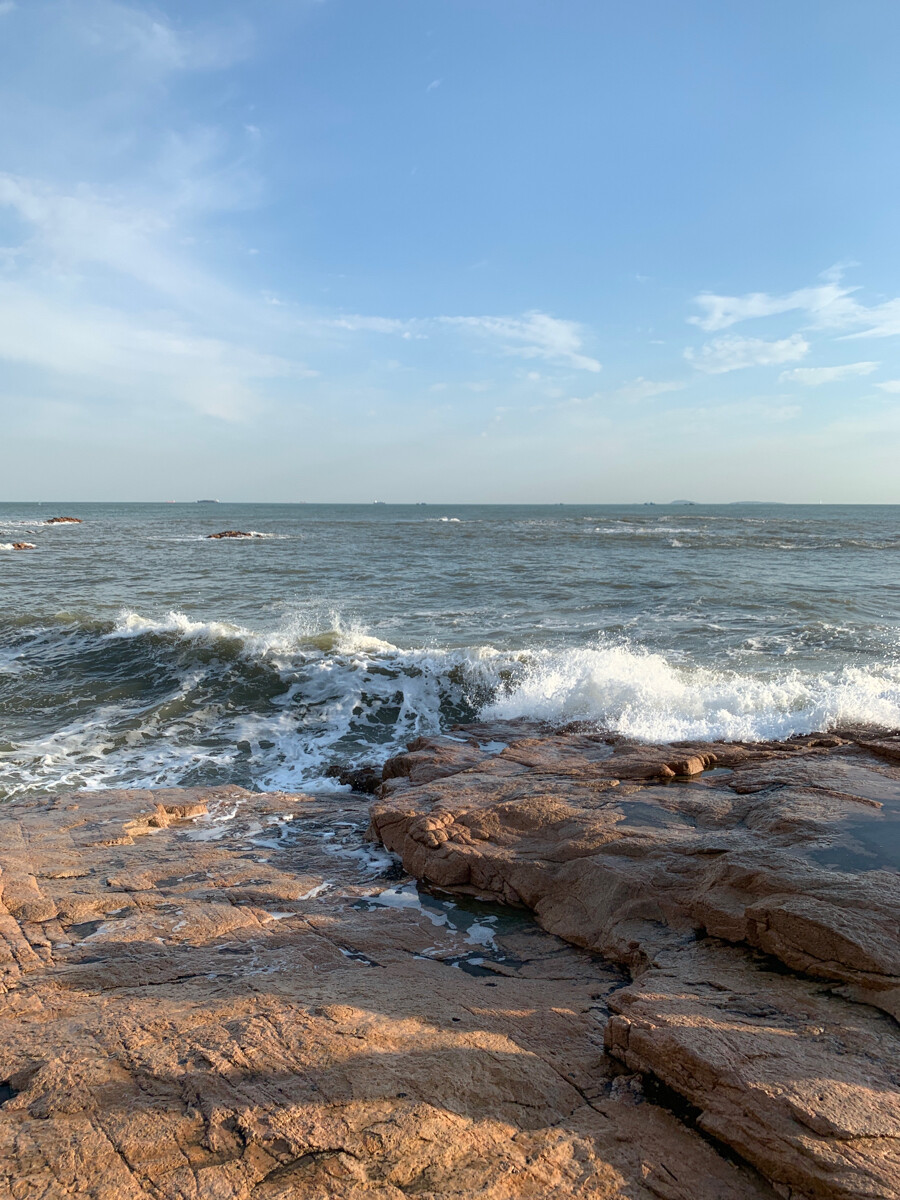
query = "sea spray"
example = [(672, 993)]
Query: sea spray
[(153, 701)]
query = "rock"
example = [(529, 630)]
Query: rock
[(232, 533), (63, 521), (432, 758), (23, 545), (365, 778), (696, 764), (786, 856), (211, 993)]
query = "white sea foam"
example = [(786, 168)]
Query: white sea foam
[(275, 709), (647, 696), (286, 639)]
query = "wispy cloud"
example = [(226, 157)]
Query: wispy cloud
[(534, 335), (357, 323), (102, 352), (721, 312), (890, 385), (646, 389), (881, 320), (79, 228), (825, 306), (816, 376), (147, 40), (734, 353), (435, 83)]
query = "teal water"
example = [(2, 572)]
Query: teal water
[(134, 650)]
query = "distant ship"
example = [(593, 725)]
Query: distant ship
[(378, 502), (206, 502)]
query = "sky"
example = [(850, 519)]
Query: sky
[(450, 250)]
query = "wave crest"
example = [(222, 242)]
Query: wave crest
[(156, 701), (646, 696)]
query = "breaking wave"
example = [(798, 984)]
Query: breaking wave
[(644, 695), (154, 701)]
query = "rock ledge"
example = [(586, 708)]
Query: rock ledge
[(752, 891)]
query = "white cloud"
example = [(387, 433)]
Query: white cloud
[(534, 335), (890, 385), (734, 353), (883, 320), (826, 306), (435, 83), (356, 323), (132, 361), (141, 239), (150, 43), (721, 312), (815, 376), (646, 389)]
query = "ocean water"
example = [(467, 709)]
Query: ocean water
[(135, 651)]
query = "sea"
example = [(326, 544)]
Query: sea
[(137, 651)]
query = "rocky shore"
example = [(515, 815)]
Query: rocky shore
[(628, 971)]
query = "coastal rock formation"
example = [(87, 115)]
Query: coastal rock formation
[(63, 521), (209, 993), (366, 778), (754, 897), (23, 545), (232, 533)]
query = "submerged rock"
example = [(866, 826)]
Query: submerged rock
[(23, 545), (63, 521), (757, 906)]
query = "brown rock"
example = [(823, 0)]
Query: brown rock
[(23, 545), (202, 995), (694, 765), (63, 521), (789, 849)]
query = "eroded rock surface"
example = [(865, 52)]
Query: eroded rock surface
[(210, 993), (752, 890)]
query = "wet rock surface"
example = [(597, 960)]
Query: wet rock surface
[(231, 533), (64, 521), (209, 993), (752, 892)]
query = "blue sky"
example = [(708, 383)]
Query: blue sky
[(450, 250)]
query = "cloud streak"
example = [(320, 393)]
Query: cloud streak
[(721, 312), (534, 335), (816, 376), (733, 353), (827, 306)]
